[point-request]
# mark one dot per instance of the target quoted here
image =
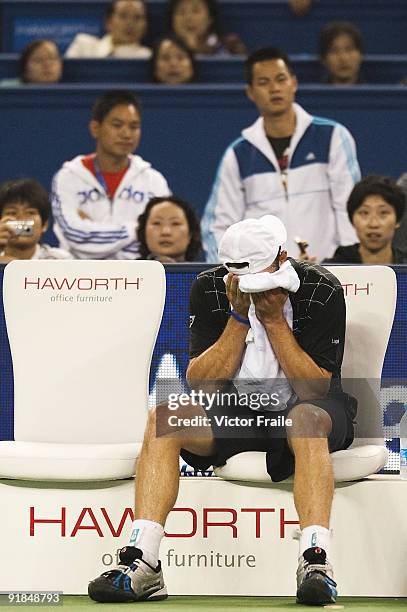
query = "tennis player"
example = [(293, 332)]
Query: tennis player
[(261, 321)]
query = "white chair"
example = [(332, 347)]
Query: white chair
[(370, 294), (81, 335)]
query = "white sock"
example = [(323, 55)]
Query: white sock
[(146, 535), (315, 535)]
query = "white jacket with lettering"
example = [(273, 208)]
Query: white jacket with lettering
[(322, 171), (109, 232)]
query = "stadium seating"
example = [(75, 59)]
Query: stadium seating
[(369, 319), (389, 69), (74, 329), (259, 22)]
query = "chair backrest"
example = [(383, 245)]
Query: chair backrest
[(370, 294), (81, 335)]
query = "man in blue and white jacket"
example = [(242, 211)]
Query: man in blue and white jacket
[(289, 163), (97, 198)]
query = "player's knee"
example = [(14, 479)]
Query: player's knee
[(309, 421)]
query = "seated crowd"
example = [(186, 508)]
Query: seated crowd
[(113, 204), (192, 28)]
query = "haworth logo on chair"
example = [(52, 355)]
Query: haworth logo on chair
[(353, 289), (85, 283)]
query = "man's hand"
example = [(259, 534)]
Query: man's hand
[(5, 234), (307, 258), (269, 305), (239, 301)]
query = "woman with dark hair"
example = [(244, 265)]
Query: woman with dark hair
[(40, 63), (173, 62), (197, 23), (375, 208), (341, 52), (169, 231)]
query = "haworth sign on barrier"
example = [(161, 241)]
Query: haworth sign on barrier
[(215, 529)]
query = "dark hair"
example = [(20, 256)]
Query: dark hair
[(111, 7), (213, 10), (112, 98), (332, 30), (194, 245), (382, 186), (27, 52), (263, 55), (181, 45), (25, 190)]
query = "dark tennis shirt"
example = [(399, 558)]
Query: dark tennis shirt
[(319, 313)]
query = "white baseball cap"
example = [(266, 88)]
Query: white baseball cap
[(255, 242)]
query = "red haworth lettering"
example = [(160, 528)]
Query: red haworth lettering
[(136, 282), (64, 282), (85, 288), (345, 288), (47, 284), (78, 525), (102, 282), (62, 521), (28, 282), (257, 512), (194, 524), (362, 289), (231, 523), (116, 533), (119, 278), (283, 522)]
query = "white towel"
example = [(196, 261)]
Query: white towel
[(285, 277), (260, 371)]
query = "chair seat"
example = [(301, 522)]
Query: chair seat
[(350, 464), (67, 462)]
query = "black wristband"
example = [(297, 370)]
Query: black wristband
[(239, 318)]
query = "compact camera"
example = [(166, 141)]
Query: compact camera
[(21, 228)]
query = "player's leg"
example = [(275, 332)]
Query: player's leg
[(313, 493), (138, 576)]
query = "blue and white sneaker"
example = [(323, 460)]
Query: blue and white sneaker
[(132, 580), (315, 583)]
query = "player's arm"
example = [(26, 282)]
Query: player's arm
[(308, 379), (221, 359)]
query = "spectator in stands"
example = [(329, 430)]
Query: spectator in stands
[(300, 7), (288, 163), (98, 198), (341, 52), (197, 23), (375, 208), (24, 215), (168, 230), (40, 63), (172, 62), (126, 25)]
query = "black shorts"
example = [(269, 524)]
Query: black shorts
[(273, 440)]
